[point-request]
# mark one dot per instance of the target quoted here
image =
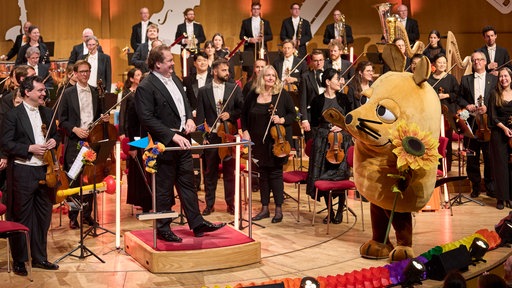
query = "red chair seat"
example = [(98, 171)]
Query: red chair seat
[(242, 167), (326, 185), (295, 176), (7, 227), (3, 209), (439, 173)]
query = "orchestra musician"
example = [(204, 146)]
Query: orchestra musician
[(164, 112), (500, 115), (221, 51), (297, 29), (219, 101), (79, 108), (101, 65), (141, 54), (68, 80), (197, 79), (81, 49), (268, 89), (362, 81), (411, 25), (434, 46), (42, 69), (34, 40), (249, 85), (415, 59), (447, 88), (28, 200), (20, 40), (472, 87), (288, 67), (319, 167), (251, 29), (310, 87), (334, 31), (193, 29), (496, 55), (138, 35), (335, 61), (400, 43)]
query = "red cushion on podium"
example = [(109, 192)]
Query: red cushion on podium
[(326, 185), (295, 176)]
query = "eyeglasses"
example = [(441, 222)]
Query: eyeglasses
[(477, 59), (84, 71)]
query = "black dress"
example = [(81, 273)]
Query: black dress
[(431, 52), (499, 149)]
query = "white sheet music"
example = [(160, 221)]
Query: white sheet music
[(77, 165)]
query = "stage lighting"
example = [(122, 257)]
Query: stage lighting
[(478, 249), (309, 282), (413, 273)]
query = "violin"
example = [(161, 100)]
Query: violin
[(281, 147), (335, 152), (226, 132), (55, 178), (97, 133), (483, 133)]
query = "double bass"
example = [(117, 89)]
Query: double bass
[(100, 131)]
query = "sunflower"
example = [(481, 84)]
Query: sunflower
[(415, 149)]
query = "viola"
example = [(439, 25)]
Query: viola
[(226, 132), (55, 178), (335, 152), (483, 133)]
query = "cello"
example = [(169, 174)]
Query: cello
[(99, 133)]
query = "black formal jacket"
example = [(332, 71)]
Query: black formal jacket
[(77, 53), (329, 34), (246, 30), (157, 111), (15, 47), (301, 68), (104, 69), (44, 57), (136, 37), (413, 30), (44, 72), (344, 66), (207, 108), (192, 88), (308, 90), (287, 31), (69, 110), (140, 56), (500, 56), (198, 33), (467, 91)]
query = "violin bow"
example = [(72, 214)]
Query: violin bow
[(297, 66), (348, 82), (503, 65), (352, 64), (444, 76), (55, 108), (110, 109), (273, 113), (227, 101)]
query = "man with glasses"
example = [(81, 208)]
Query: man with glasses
[(310, 87), (475, 90), (101, 67), (192, 28), (79, 108), (297, 29)]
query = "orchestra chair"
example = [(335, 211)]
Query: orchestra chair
[(7, 229), (335, 186), (298, 177)]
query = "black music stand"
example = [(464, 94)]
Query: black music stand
[(84, 251), (103, 149)]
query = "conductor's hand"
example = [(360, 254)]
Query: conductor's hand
[(37, 149), (181, 141), (190, 127), (81, 133)]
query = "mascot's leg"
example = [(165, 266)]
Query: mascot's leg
[(402, 223), (376, 248)]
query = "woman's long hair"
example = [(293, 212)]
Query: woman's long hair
[(260, 81)]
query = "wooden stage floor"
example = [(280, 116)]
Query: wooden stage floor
[(289, 249)]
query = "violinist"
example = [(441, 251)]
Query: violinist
[(141, 54), (500, 121), (34, 40), (363, 79), (447, 88), (335, 61), (288, 67), (255, 119), (79, 108), (320, 167), (220, 103), (249, 85), (28, 200), (473, 87)]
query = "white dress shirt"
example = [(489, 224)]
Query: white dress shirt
[(36, 123), (86, 108), (255, 25), (143, 31), (479, 86), (93, 78), (176, 96)]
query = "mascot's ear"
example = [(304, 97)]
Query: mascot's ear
[(422, 71), (394, 58)]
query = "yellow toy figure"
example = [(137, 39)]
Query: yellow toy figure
[(395, 158)]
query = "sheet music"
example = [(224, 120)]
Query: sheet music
[(77, 165)]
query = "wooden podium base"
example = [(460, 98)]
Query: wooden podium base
[(190, 255)]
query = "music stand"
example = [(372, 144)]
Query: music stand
[(103, 149)]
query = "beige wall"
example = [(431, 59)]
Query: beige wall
[(62, 21)]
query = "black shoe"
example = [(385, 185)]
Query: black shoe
[(73, 224), (475, 193), (326, 218), (207, 227), (261, 215), (231, 210), (338, 218), (491, 194), (90, 221), (45, 265), (19, 269), (168, 236), (499, 205), (277, 218), (208, 211)]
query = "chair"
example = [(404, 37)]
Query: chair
[(299, 177), (8, 228), (342, 185)]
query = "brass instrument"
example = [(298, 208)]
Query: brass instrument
[(343, 35), (299, 34), (453, 58), (260, 53), (191, 44)]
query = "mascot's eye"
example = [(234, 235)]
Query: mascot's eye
[(363, 100), (385, 115)]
